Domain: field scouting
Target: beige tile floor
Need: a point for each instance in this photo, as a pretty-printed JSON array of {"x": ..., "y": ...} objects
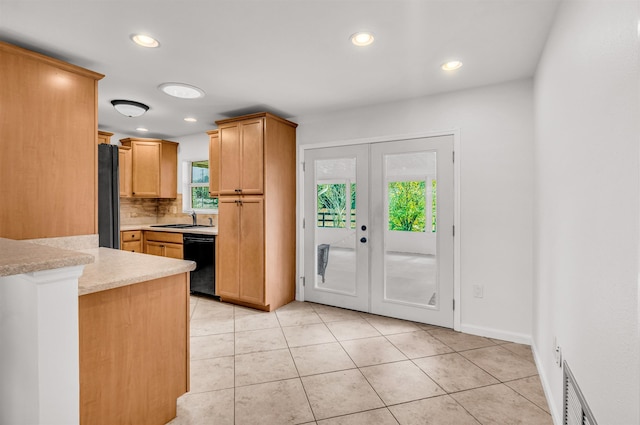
[{"x": 313, "y": 364}]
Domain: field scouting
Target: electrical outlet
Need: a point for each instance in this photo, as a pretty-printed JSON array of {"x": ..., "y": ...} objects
[
  {"x": 557, "y": 352},
  {"x": 478, "y": 291}
]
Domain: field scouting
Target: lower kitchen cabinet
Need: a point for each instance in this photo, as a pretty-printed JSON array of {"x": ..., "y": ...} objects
[
  {"x": 164, "y": 244},
  {"x": 134, "y": 352},
  {"x": 241, "y": 268},
  {"x": 131, "y": 240}
]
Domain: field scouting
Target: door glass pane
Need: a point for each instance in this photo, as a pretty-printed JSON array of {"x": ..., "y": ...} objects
[
  {"x": 410, "y": 257},
  {"x": 335, "y": 225}
]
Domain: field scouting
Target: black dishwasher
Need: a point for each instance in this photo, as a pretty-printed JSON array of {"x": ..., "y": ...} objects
[{"x": 201, "y": 249}]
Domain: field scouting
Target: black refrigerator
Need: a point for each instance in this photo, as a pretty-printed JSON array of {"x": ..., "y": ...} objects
[{"x": 108, "y": 196}]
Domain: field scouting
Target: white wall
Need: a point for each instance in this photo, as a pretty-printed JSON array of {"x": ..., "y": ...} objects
[
  {"x": 192, "y": 148},
  {"x": 587, "y": 190},
  {"x": 496, "y": 137}
]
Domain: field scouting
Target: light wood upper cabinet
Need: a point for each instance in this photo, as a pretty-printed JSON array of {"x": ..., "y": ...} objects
[
  {"x": 145, "y": 169},
  {"x": 242, "y": 157},
  {"x": 104, "y": 137},
  {"x": 154, "y": 167},
  {"x": 229, "y": 159},
  {"x": 214, "y": 163},
  {"x": 256, "y": 165},
  {"x": 48, "y": 156},
  {"x": 124, "y": 168}
]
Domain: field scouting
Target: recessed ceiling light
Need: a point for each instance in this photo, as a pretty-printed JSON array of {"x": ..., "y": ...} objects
[
  {"x": 142, "y": 129},
  {"x": 183, "y": 91},
  {"x": 451, "y": 65},
  {"x": 190, "y": 119},
  {"x": 362, "y": 39},
  {"x": 144, "y": 40}
]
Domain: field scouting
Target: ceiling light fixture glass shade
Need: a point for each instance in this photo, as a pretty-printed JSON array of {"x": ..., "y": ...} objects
[
  {"x": 181, "y": 90},
  {"x": 144, "y": 40},
  {"x": 129, "y": 108},
  {"x": 451, "y": 65},
  {"x": 142, "y": 129},
  {"x": 190, "y": 119},
  {"x": 362, "y": 39}
]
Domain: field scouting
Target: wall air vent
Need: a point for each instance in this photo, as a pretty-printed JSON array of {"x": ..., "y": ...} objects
[{"x": 576, "y": 411}]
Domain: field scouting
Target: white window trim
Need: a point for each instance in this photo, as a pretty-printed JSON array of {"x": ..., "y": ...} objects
[{"x": 186, "y": 189}]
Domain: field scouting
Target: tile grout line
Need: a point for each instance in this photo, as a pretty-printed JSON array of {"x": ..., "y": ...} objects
[
  {"x": 359, "y": 368},
  {"x": 306, "y": 395}
]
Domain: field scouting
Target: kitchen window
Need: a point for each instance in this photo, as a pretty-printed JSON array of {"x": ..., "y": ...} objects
[{"x": 195, "y": 188}]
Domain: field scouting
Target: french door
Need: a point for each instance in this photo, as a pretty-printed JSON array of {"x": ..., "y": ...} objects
[
  {"x": 379, "y": 228},
  {"x": 336, "y": 205}
]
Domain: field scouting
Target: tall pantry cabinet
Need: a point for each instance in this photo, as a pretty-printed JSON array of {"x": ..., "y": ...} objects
[
  {"x": 48, "y": 146},
  {"x": 255, "y": 157}
]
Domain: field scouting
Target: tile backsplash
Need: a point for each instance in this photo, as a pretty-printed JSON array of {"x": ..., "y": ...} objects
[{"x": 151, "y": 210}]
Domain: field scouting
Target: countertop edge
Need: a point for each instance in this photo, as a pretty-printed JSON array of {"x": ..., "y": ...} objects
[
  {"x": 22, "y": 257},
  {"x": 114, "y": 268},
  {"x": 197, "y": 230}
]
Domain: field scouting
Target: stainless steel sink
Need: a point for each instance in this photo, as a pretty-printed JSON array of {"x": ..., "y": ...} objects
[{"x": 180, "y": 226}]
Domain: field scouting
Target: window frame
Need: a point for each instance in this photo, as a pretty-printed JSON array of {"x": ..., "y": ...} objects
[{"x": 187, "y": 185}]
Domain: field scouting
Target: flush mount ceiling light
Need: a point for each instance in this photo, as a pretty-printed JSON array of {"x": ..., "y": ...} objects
[
  {"x": 190, "y": 119},
  {"x": 142, "y": 129},
  {"x": 144, "y": 40},
  {"x": 451, "y": 65},
  {"x": 129, "y": 107},
  {"x": 362, "y": 39},
  {"x": 183, "y": 91}
]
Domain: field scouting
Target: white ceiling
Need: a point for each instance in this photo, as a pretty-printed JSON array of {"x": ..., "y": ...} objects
[{"x": 290, "y": 57}]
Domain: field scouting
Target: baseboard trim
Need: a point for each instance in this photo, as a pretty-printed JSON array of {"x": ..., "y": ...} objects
[
  {"x": 556, "y": 416},
  {"x": 520, "y": 338}
]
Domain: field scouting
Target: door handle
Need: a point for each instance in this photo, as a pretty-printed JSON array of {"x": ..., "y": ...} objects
[{"x": 363, "y": 240}]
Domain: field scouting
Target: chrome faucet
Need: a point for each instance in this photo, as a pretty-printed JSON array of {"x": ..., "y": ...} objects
[{"x": 194, "y": 217}]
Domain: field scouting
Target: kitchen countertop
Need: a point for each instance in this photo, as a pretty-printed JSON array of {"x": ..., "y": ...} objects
[
  {"x": 104, "y": 269},
  {"x": 114, "y": 268},
  {"x": 195, "y": 230},
  {"x": 19, "y": 257}
]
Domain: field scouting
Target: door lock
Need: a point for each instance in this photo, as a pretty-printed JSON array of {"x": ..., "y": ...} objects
[
  {"x": 363, "y": 227},
  {"x": 363, "y": 240}
]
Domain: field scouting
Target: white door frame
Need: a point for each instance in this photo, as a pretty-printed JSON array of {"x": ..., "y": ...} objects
[{"x": 391, "y": 138}]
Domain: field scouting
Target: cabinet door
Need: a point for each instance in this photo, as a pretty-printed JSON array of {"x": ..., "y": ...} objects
[
  {"x": 252, "y": 167},
  {"x": 131, "y": 246},
  {"x": 173, "y": 250},
  {"x": 214, "y": 163},
  {"x": 227, "y": 279},
  {"x": 154, "y": 248},
  {"x": 145, "y": 174},
  {"x": 168, "y": 170},
  {"x": 229, "y": 139},
  {"x": 252, "y": 250},
  {"x": 124, "y": 169}
]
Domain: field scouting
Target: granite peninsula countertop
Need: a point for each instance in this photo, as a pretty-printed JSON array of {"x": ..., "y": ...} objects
[
  {"x": 114, "y": 268},
  {"x": 19, "y": 257},
  {"x": 196, "y": 230},
  {"x": 104, "y": 269}
]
